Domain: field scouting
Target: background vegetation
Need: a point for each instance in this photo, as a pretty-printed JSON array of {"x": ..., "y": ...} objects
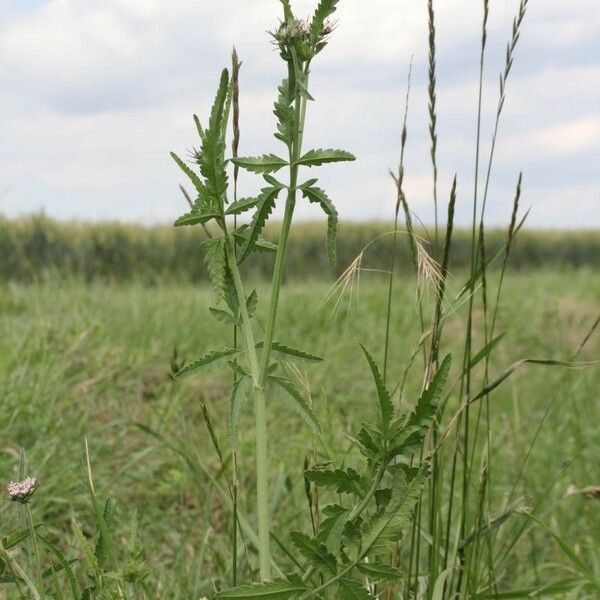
[
  {"x": 34, "y": 248},
  {"x": 94, "y": 360}
]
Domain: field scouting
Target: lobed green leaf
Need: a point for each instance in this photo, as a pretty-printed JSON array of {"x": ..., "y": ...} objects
[
  {"x": 207, "y": 360},
  {"x": 212, "y": 162},
  {"x": 293, "y": 352},
  {"x": 267, "y": 163},
  {"x": 264, "y": 208},
  {"x": 278, "y": 589},
  {"x": 318, "y": 196},
  {"x": 342, "y": 481},
  {"x": 299, "y": 402},
  {"x": 385, "y": 403},
  {"x": 240, "y": 206},
  {"x": 314, "y": 551},
  {"x": 316, "y": 158}
]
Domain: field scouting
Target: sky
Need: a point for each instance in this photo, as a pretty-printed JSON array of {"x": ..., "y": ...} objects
[{"x": 95, "y": 93}]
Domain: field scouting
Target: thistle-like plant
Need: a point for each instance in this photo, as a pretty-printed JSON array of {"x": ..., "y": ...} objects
[
  {"x": 256, "y": 371},
  {"x": 349, "y": 554}
]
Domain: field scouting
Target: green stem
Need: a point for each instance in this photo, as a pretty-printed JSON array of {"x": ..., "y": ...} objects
[
  {"x": 262, "y": 464},
  {"x": 294, "y": 154},
  {"x": 260, "y": 411},
  {"x": 34, "y": 546}
]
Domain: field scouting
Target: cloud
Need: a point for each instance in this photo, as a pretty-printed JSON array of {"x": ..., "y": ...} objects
[{"x": 94, "y": 95}]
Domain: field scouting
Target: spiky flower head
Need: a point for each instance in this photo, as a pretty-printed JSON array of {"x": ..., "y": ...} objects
[
  {"x": 292, "y": 36},
  {"x": 21, "y": 491}
]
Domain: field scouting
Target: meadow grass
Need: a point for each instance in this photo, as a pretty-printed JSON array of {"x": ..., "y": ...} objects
[
  {"x": 94, "y": 361},
  {"x": 460, "y": 490}
]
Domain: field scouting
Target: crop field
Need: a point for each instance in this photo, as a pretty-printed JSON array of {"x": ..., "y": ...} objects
[{"x": 94, "y": 362}]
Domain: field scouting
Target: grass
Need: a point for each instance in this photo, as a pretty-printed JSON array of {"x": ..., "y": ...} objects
[{"x": 94, "y": 360}]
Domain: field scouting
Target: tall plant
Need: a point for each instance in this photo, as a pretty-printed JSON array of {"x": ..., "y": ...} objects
[{"x": 254, "y": 363}]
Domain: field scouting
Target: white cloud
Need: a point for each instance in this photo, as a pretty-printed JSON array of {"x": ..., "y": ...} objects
[{"x": 94, "y": 95}]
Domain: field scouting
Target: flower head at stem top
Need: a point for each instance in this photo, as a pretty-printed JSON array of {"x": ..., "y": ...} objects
[
  {"x": 297, "y": 35},
  {"x": 22, "y": 491}
]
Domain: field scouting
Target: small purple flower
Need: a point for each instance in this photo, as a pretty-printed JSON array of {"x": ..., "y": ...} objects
[{"x": 21, "y": 491}]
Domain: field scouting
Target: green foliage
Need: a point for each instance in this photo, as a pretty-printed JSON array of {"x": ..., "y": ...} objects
[
  {"x": 267, "y": 163},
  {"x": 278, "y": 589},
  {"x": 208, "y": 360},
  {"x": 293, "y": 353},
  {"x": 299, "y": 403},
  {"x": 211, "y": 159},
  {"x": 316, "y": 158},
  {"x": 37, "y": 249},
  {"x": 385, "y": 403},
  {"x": 240, "y": 206},
  {"x": 352, "y": 540},
  {"x": 264, "y": 207},
  {"x": 284, "y": 111},
  {"x": 318, "y": 196}
]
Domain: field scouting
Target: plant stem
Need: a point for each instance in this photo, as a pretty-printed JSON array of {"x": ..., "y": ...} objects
[
  {"x": 260, "y": 410},
  {"x": 294, "y": 154},
  {"x": 262, "y": 458},
  {"x": 34, "y": 547},
  {"x": 278, "y": 275}
]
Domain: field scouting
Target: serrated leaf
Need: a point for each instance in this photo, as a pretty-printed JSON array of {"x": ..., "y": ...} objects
[
  {"x": 332, "y": 527},
  {"x": 87, "y": 550},
  {"x": 239, "y": 393},
  {"x": 16, "y": 538},
  {"x": 264, "y": 207},
  {"x": 324, "y": 10},
  {"x": 379, "y": 571},
  {"x": 318, "y": 196},
  {"x": 314, "y": 552},
  {"x": 316, "y": 158},
  {"x": 284, "y": 112},
  {"x": 428, "y": 402},
  {"x": 252, "y": 303},
  {"x": 240, "y": 206},
  {"x": 273, "y": 181},
  {"x": 196, "y": 216},
  {"x": 383, "y": 530},
  {"x": 293, "y": 352},
  {"x": 196, "y": 181},
  {"x": 262, "y": 245},
  {"x": 278, "y": 589},
  {"x": 299, "y": 402},
  {"x": 342, "y": 481},
  {"x": 267, "y": 163},
  {"x": 211, "y": 159},
  {"x": 223, "y": 316},
  {"x": 354, "y": 590},
  {"x": 216, "y": 265},
  {"x": 207, "y": 360},
  {"x": 65, "y": 564},
  {"x": 199, "y": 127},
  {"x": 385, "y": 403}
]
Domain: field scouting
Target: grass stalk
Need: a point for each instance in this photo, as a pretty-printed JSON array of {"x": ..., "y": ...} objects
[{"x": 395, "y": 237}]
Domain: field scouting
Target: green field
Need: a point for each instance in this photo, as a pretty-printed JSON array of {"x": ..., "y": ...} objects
[{"x": 94, "y": 361}]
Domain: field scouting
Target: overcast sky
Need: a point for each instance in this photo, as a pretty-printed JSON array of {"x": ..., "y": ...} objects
[{"x": 95, "y": 93}]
